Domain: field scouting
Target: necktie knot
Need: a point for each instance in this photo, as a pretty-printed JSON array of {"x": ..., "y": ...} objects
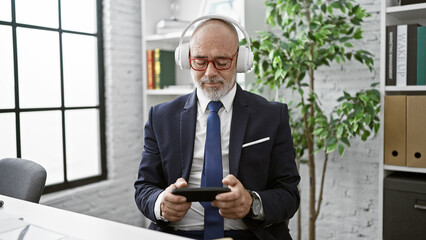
[{"x": 215, "y": 106}]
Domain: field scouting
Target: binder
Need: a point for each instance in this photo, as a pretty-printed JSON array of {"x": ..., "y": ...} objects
[
  {"x": 395, "y": 130},
  {"x": 416, "y": 131}
]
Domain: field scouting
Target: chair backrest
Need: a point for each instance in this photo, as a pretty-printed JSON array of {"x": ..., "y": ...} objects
[{"x": 22, "y": 179}]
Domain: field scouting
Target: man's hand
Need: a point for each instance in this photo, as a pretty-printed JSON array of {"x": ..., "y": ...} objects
[
  {"x": 235, "y": 204},
  {"x": 174, "y": 207}
]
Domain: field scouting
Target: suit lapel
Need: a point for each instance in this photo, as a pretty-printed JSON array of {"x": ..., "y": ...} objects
[
  {"x": 240, "y": 116},
  {"x": 187, "y": 134}
]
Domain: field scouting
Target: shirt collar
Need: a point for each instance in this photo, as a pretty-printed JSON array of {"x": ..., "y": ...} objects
[{"x": 226, "y": 100}]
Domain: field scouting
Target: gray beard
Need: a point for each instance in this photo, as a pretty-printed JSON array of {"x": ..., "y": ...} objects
[{"x": 215, "y": 94}]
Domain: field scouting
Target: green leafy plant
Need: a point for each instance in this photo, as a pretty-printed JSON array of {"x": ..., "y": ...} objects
[{"x": 311, "y": 34}]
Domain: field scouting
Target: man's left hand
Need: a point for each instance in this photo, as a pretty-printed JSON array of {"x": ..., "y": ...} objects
[{"x": 235, "y": 204}]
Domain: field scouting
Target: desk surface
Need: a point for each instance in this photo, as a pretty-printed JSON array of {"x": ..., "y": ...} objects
[{"x": 77, "y": 225}]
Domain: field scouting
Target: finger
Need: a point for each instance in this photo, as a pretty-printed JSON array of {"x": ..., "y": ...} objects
[
  {"x": 169, "y": 189},
  {"x": 224, "y": 204},
  {"x": 233, "y": 213},
  {"x": 174, "y": 212},
  {"x": 173, "y": 216},
  {"x": 229, "y": 196},
  {"x": 228, "y": 212},
  {"x": 169, "y": 196},
  {"x": 230, "y": 180},
  {"x": 174, "y": 199},
  {"x": 237, "y": 191},
  {"x": 178, "y": 208},
  {"x": 181, "y": 183},
  {"x": 230, "y": 215}
]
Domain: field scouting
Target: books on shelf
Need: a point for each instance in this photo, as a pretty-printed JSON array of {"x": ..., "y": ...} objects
[
  {"x": 405, "y": 51},
  {"x": 150, "y": 69},
  {"x": 390, "y": 55},
  {"x": 160, "y": 68}
]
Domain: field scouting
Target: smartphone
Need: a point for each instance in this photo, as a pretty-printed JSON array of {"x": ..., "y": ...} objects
[{"x": 206, "y": 194}]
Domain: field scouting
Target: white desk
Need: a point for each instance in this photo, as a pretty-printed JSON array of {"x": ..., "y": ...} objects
[{"x": 77, "y": 225}]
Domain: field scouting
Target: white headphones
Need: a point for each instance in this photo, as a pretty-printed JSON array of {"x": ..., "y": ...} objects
[{"x": 245, "y": 55}]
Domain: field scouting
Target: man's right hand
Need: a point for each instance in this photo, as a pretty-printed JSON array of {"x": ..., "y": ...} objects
[{"x": 174, "y": 207}]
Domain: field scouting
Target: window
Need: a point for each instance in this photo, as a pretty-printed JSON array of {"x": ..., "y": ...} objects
[{"x": 51, "y": 88}]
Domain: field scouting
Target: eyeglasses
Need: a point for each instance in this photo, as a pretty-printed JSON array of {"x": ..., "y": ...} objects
[{"x": 220, "y": 63}]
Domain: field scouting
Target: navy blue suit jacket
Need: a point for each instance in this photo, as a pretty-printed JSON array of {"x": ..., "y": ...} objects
[{"x": 268, "y": 168}]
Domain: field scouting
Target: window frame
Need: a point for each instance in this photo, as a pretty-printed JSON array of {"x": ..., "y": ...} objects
[{"x": 101, "y": 94}]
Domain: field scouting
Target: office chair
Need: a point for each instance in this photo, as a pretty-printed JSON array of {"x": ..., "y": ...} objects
[{"x": 22, "y": 179}]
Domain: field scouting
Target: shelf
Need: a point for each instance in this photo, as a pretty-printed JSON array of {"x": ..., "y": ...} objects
[
  {"x": 404, "y": 169},
  {"x": 171, "y": 91},
  {"x": 405, "y": 88},
  {"x": 411, "y": 11},
  {"x": 391, "y": 15},
  {"x": 174, "y": 36}
]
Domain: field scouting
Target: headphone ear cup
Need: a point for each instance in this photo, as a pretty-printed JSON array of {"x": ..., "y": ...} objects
[
  {"x": 182, "y": 56},
  {"x": 245, "y": 59}
]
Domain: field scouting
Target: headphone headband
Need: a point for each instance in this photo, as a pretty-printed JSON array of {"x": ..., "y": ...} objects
[{"x": 215, "y": 16}]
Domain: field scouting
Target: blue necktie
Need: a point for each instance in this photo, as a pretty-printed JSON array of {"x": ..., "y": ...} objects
[{"x": 212, "y": 172}]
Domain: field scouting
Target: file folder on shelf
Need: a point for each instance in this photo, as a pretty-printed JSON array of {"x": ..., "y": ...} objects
[
  {"x": 416, "y": 131},
  {"x": 395, "y": 130}
]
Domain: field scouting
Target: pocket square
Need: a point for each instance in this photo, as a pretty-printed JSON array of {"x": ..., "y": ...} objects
[{"x": 256, "y": 142}]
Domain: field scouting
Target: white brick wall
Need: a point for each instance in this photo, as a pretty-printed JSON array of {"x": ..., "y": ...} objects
[{"x": 350, "y": 204}]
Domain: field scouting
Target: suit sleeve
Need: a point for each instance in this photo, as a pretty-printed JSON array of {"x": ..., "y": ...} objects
[
  {"x": 281, "y": 198},
  {"x": 151, "y": 181}
]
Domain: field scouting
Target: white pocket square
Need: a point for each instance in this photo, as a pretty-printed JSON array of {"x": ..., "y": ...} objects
[{"x": 256, "y": 142}]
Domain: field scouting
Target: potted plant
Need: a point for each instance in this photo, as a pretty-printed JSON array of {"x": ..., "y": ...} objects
[{"x": 312, "y": 34}]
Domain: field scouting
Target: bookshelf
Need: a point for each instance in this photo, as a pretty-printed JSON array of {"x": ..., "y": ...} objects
[
  {"x": 393, "y": 14},
  {"x": 153, "y": 11}
]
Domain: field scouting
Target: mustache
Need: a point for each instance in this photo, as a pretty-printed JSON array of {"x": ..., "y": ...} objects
[{"x": 211, "y": 80}]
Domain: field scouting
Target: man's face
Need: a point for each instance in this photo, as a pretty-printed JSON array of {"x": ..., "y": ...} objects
[{"x": 213, "y": 41}]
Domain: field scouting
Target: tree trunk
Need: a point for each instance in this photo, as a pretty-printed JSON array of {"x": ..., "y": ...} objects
[
  {"x": 312, "y": 198},
  {"x": 299, "y": 225},
  {"x": 299, "y": 212},
  {"x": 312, "y": 218},
  {"x": 309, "y": 129}
]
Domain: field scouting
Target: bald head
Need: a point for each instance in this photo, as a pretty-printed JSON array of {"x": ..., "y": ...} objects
[{"x": 214, "y": 31}]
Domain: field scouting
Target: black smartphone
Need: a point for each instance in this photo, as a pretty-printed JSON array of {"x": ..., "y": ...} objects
[{"x": 206, "y": 194}]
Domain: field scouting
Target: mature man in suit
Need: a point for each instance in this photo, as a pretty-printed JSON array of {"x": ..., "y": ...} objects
[{"x": 258, "y": 157}]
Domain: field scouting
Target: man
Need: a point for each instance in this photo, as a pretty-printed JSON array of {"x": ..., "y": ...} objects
[{"x": 256, "y": 150}]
